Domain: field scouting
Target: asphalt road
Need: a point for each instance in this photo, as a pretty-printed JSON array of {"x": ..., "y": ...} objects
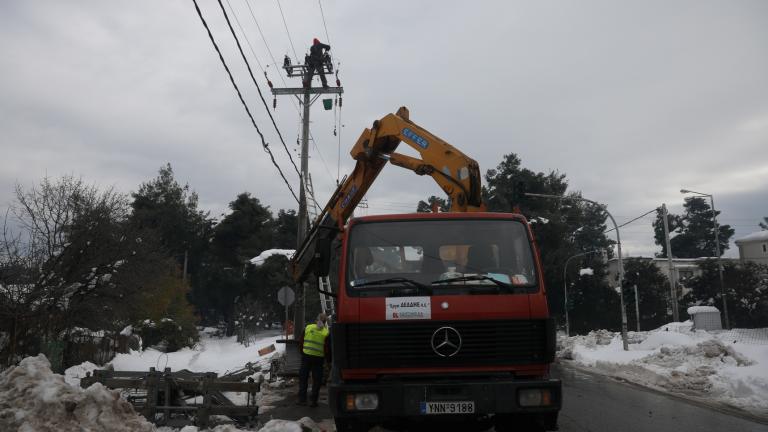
[{"x": 591, "y": 403}]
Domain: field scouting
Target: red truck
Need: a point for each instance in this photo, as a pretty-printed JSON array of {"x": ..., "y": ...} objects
[{"x": 438, "y": 316}]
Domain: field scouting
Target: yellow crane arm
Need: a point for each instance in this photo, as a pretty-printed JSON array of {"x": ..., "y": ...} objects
[{"x": 456, "y": 173}]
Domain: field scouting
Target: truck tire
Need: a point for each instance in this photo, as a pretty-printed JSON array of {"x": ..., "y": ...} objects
[{"x": 350, "y": 425}]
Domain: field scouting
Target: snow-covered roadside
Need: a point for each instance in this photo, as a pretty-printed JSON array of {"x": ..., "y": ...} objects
[
  {"x": 720, "y": 367},
  {"x": 211, "y": 354},
  {"x": 33, "y": 398}
]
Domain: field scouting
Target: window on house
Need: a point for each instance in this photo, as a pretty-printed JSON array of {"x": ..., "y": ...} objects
[{"x": 765, "y": 248}]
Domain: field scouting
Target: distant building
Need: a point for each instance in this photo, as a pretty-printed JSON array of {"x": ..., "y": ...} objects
[
  {"x": 683, "y": 268},
  {"x": 754, "y": 247}
]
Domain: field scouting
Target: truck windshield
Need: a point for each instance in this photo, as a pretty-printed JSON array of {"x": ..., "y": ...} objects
[{"x": 444, "y": 256}]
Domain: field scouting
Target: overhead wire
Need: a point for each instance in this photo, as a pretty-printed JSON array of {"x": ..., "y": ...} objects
[
  {"x": 245, "y": 35},
  {"x": 274, "y": 62},
  {"x": 322, "y": 14},
  {"x": 242, "y": 100},
  {"x": 286, "y": 30},
  {"x": 250, "y": 72},
  {"x": 630, "y": 221}
]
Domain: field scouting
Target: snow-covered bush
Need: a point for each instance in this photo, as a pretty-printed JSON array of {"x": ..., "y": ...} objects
[{"x": 165, "y": 335}]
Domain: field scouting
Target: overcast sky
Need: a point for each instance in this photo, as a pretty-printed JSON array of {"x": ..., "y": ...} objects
[{"x": 632, "y": 101}]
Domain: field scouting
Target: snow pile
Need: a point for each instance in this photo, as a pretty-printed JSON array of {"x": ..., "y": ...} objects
[
  {"x": 709, "y": 365},
  {"x": 33, "y": 398},
  {"x": 305, "y": 424},
  {"x": 701, "y": 309},
  {"x": 211, "y": 354},
  {"x": 259, "y": 260},
  {"x": 74, "y": 374}
]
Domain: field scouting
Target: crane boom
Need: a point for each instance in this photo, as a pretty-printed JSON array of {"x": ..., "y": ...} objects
[{"x": 456, "y": 173}]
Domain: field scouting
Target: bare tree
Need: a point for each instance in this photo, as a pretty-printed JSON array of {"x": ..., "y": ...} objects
[{"x": 73, "y": 261}]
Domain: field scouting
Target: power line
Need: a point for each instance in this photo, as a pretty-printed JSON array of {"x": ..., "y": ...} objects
[
  {"x": 629, "y": 222},
  {"x": 286, "y": 31},
  {"x": 274, "y": 62},
  {"x": 245, "y": 35},
  {"x": 327, "y": 38},
  {"x": 240, "y": 95},
  {"x": 250, "y": 72}
]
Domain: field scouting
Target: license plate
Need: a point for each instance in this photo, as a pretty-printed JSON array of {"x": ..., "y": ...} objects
[{"x": 453, "y": 407}]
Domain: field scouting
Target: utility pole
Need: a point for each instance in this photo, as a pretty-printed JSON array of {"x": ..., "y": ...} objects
[
  {"x": 306, "y": 96},
  {"x": 672, "y": 287}
]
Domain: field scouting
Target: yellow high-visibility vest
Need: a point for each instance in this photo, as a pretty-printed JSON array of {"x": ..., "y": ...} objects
[{"x": 314, "y": 340}]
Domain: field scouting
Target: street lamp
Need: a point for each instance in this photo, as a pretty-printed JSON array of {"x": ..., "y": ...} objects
[
  {"x": 621, "y": 264},
  {"x": 565, "y": 290},
  {"x": 717, "y": 251}
]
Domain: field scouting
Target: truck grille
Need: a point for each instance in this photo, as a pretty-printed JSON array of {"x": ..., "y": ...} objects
[{"x": 483, "y": 343}]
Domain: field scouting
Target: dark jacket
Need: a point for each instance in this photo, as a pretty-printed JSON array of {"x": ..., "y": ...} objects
[{"x": 316, "y": 52}]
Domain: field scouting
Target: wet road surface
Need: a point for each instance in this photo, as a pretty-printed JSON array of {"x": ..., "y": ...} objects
[{"x": 591, "y": 403}]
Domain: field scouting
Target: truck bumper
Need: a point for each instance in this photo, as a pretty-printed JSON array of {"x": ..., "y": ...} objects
[{"x": 402, "y": 399}]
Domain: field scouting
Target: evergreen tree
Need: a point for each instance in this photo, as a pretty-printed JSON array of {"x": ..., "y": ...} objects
[
  {"x": 244, "y": 233},
  {"x": 285, "y": 228},
  {"x": 166, "y": 207},
  {"x": 764, "y": 223},
  {"x": 593, "y": 303},
  {"x": 426, "y": 206},
  {"x": 746, "y": 285},
  {"x": 695, "y": 231},
  {"x": 652, "y": 289},
  {"x": 562, "y": 228}
]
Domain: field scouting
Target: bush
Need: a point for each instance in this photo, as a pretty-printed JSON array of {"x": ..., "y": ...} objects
[{"x": 165, "y": 335}]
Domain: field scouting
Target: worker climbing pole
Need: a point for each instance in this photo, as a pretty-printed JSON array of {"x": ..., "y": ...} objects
[{"x": 306, "y": 95}]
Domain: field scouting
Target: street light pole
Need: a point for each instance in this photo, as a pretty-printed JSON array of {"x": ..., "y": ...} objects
[
  {"x": 565, "y": 291},
  {"x": 717, "y": 251},
  {"x": 618, "y": 246}
]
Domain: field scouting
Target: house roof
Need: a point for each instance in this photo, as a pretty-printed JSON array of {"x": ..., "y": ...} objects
[{"x": 757, "y": 236}]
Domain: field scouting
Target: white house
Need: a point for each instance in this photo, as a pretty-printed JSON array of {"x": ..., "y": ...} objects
[
  {"x": 683, "y": 268},
  {"x": 754, "y": 247}
]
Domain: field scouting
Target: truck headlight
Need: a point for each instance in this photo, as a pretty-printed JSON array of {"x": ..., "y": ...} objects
[
  {"x": 362, "y": 401},
  {"x": 534, "y": 397}
]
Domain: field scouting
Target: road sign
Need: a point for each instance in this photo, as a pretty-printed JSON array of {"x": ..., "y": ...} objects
[{"x": 286, "y": 296}]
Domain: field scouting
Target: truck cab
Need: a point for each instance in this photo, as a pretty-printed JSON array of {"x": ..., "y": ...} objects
[{"x": 441, "y": 316}]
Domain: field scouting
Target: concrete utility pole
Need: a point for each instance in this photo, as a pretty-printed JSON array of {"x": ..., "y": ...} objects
[
  {"x": 672, "y": 281},
  {"x": 306, "y": 96}
]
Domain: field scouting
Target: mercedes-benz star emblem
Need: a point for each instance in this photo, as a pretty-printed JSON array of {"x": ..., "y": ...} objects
[{"x": 446, "y": 341}]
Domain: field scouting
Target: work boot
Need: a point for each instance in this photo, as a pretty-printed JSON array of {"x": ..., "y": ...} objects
[
  {"x": 313, "y": 404},
  {"x": 301, "y": 402}
]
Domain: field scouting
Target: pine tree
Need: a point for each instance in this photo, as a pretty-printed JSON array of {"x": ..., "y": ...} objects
[
  {"x": 764, "y": 223},
  {"x": 562, "y": 228},
  {"x": 426, "y": 206},
  {"x": 692, "y": 235}
]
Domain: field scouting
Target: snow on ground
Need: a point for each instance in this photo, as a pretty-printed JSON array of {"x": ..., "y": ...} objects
[
  {"x": 259, "y": 260},
  {"x": 728, "y": 367},
  {"x": 74, "y": 374},
  {"x": 211, "y": 354},
  {"x": 33, "y": 398}
]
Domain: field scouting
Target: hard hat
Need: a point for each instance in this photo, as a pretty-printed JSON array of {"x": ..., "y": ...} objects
[{"x": 315, "y": 41}]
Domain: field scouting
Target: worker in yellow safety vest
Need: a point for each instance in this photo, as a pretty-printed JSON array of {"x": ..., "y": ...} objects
[{"x": 313, "y": 347}]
